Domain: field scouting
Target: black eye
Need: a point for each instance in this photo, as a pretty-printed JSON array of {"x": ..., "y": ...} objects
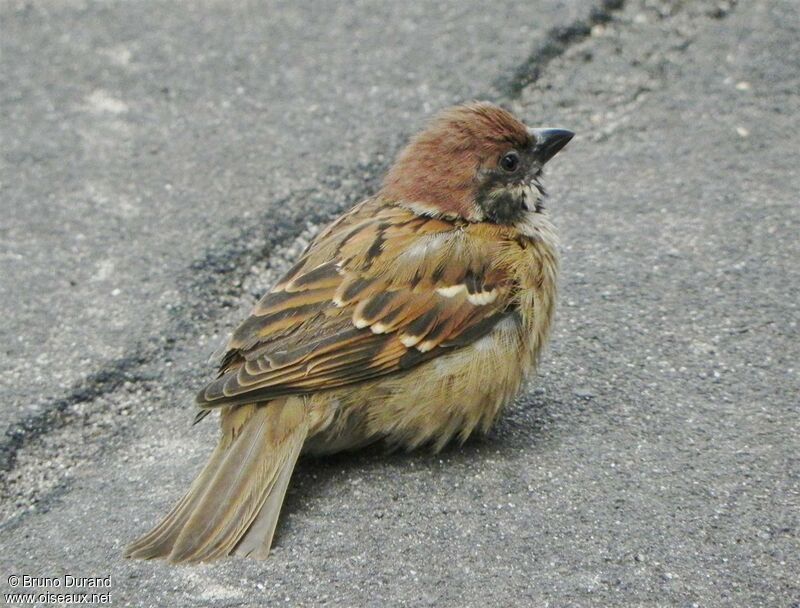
[{"x": 509, "y": 162}]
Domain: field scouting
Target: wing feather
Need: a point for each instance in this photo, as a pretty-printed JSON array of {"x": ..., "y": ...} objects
[{"x": 379, "y": 292}]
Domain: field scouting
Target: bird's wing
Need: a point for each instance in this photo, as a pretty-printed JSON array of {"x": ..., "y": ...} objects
[{"x": 380, "y": 291}]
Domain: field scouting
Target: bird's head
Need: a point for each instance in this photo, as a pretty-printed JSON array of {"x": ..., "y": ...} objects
[{"x": 475, "y": 162}]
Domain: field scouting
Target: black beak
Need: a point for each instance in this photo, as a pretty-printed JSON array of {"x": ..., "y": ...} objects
[{"x": 548, "y": 142}]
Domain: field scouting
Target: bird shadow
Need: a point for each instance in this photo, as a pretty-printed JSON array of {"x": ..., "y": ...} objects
[{"x": 527, "y": 423}]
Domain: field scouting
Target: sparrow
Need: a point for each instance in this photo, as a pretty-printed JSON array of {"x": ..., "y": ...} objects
[{"x": 412, "y": 319}]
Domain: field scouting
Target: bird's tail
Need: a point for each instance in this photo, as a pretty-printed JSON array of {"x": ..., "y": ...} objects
[{"x": 233, "y": 505}]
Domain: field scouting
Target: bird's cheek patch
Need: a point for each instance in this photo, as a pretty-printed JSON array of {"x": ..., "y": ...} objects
[{"x": 505, "y": 205}]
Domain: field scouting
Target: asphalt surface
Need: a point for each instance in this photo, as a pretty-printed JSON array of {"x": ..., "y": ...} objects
[{"x": 162, "y": 164}]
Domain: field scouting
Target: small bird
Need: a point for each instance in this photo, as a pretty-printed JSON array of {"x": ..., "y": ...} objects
[{"x": 412, "y": 319}]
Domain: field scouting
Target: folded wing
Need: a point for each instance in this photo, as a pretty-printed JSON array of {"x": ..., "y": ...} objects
[{"x": 377, "y": 293}]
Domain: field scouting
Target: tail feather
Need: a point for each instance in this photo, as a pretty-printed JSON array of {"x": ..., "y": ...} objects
[
  {"x": 258, "y": 539},
  {"x": 236, "y": 500}
]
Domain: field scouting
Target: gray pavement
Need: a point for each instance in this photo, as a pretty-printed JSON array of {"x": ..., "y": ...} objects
[{"x": 161, "y": 165}]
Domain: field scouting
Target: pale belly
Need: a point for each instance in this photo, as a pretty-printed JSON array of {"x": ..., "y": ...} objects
[{"x": 448, "y": 397}]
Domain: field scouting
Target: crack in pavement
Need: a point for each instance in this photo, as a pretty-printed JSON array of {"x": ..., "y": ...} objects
[
  {"x": 554, "y": 44},
  {"x": 56, "y": 413}
]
